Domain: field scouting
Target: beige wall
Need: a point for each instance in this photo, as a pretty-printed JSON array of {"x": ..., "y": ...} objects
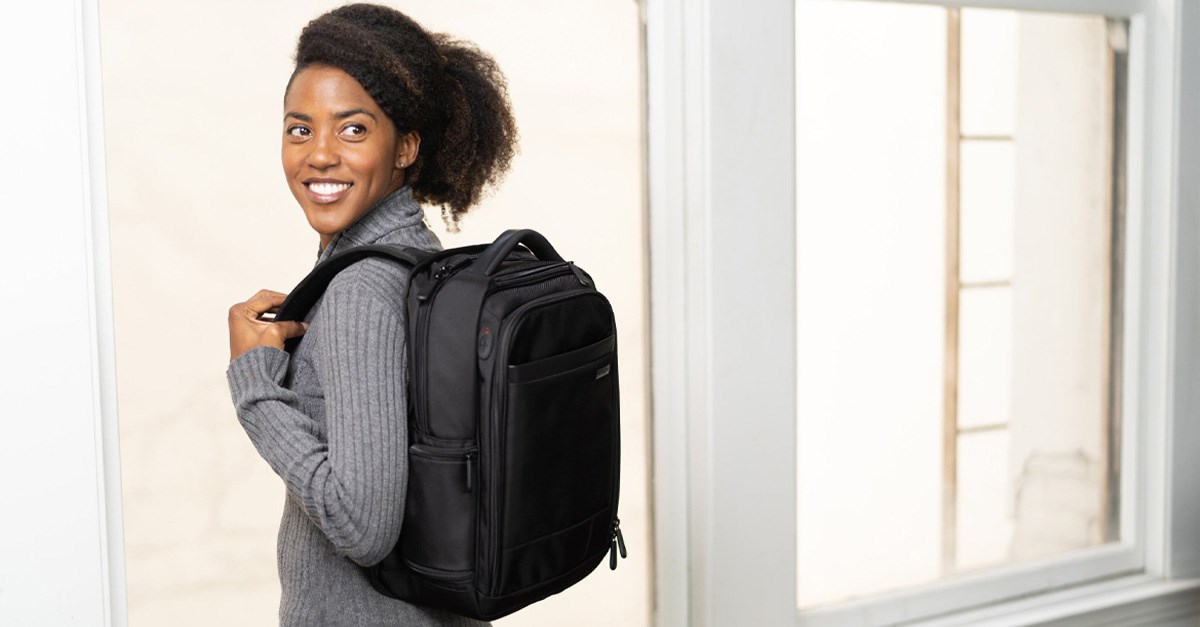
[{"x": 201, "y": 218}]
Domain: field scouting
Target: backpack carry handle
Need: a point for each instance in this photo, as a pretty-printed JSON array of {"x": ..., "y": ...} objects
[{"x": 495, "y": 254}]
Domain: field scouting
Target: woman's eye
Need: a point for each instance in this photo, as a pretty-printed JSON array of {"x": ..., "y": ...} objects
[
  {"x": 298, "y": 131},
  {"x": 354, "y": 130}
]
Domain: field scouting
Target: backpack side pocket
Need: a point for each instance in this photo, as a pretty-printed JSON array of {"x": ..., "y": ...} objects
[{"x": 438, "y": 536}]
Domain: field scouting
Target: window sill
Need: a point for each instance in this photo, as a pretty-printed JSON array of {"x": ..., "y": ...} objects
[{"x": 1124, "y": 602}]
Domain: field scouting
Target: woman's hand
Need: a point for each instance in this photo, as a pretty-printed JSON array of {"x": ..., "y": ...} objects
[{"x": 248, "y": 329}]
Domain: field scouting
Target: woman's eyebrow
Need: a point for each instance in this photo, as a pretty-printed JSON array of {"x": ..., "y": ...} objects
[{"x": 341, "y": 115}]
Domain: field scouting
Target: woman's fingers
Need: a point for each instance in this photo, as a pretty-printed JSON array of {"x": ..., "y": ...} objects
[
  {"x": 248, "y": 328},
  {"x": 288, "y": 329},
  {"x": 265, "y": 301},
  {"x": 269, "y": 294}
]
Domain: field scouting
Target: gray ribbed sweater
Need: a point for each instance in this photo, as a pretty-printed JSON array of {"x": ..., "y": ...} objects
[{"x": 330, "y": 420}]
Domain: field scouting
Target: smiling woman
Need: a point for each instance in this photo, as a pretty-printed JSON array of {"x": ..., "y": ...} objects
[
  {"x": 328, "y": 416},
  {"x": 341, "y": 153}
]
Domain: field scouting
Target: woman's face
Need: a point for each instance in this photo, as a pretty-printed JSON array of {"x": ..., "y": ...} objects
[{"x": 341, "y": 153}]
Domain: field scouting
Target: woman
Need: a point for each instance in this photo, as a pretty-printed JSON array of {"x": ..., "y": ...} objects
[{"x": 379, "y": 116}]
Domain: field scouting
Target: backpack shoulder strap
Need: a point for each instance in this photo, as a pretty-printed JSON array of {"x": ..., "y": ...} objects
[{"x": 309, "y": 290}]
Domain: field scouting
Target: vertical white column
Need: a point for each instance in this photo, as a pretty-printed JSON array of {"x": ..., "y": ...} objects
[
  {"x": 722, "y": 220},
  {"x": 60, "y": 534},
  {"x": 668, "y": 264},
  {"x": 750, "y": 206}
]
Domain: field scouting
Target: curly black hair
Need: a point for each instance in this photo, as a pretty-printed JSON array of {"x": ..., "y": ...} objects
[{"x": 447, "y": 90}]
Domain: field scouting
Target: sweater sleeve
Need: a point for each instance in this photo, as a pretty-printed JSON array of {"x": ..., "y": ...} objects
[{"x": 351, "y": 476}]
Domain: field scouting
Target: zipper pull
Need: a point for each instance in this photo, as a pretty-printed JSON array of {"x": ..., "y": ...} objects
[
  {"x": 440, "y": 275},
  {"x": 617, "y": 544},
  {"x": 450, "y": 268},
  {"x": 471, "y": 455},
  {"x": 579, "y": 275}
]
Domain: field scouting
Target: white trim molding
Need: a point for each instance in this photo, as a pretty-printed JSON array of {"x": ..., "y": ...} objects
[
  {"x": 1124, "y": 602},
  {"x": 1182, "y": 558},
  {"x": 108, "y": 441},
  {"x": 62, "y": 536}
]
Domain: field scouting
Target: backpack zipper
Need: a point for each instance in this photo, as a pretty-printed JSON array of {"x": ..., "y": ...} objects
[
  {"x": 472, "y": 455},
  {"x": 422, "y": 393},
  {"x": 616, "y": 480},
  {"x": 444, "y": 272},
  {"x": 616, "y": 544},
  {"x": 528, "y": 276}
]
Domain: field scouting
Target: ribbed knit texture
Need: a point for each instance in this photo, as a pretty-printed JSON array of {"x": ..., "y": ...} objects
[{"x": 330, "y": 420}]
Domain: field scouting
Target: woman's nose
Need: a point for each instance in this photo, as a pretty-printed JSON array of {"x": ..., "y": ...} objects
[{"x": 324, "y": 152}]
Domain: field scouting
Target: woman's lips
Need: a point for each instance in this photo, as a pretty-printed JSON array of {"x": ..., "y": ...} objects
[{"x": 324, "y": 192}]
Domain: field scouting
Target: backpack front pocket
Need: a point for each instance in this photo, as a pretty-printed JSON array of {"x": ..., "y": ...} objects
[
  {"x": 560, "y": 415},
  {"x": 438, "y": 536}
]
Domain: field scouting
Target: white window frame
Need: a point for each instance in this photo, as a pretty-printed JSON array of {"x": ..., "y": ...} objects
[{"x": 722, "y": 192}]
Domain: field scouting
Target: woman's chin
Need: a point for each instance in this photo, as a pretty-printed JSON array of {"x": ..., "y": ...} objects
[{"x": 325, "y": 228}]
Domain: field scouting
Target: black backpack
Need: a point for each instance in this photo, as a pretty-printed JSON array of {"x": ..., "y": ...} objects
[{"x": 513, "y": 423}]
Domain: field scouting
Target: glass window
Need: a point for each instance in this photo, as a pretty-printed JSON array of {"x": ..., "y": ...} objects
[{"x": 959, "y": 222}]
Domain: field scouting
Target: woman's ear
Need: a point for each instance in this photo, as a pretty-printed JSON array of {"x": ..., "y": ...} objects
[{"x": 407, "y": 148}]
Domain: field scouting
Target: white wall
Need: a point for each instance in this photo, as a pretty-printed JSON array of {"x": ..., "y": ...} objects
[
  {"x": 201, "y": 218},
  {"x": 1061, "y": 277}
]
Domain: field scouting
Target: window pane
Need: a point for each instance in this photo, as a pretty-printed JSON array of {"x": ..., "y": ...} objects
[
  {"x": 986, "y": 186},
  {"x": 954, "y": 290},
  {"x": 870, "y": 334},
  {"x": 989, "y": 58},
  {"x": 985, "y": 522},
  {"x": 985, "y": 357}
]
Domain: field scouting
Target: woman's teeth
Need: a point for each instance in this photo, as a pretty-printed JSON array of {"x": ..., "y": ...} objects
[{"x": 328, "y": 189}]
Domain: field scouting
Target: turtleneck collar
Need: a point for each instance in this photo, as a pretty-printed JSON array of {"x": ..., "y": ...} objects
[{"x": 396, "y": 211}]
